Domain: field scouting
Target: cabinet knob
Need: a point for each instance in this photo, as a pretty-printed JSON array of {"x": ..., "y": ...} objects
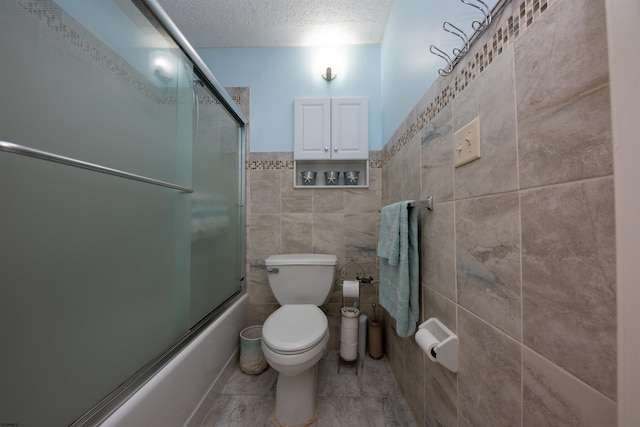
[
  {"x": 326, "y": 148},
  {"x": 335, "y": 149}
]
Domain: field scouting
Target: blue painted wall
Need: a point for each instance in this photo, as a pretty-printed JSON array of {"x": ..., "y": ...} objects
[
  {"x": 393, "y": 75},
  {"x": 408, "y": 68},
  {"x": 278, "y": 75}
]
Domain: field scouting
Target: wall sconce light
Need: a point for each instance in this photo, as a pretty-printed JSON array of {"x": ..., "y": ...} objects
[
  {"x": 328, "y": 76},
  {"x": 163, "y": 65}
]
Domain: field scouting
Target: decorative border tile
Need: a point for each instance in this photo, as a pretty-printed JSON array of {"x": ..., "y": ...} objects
[
  {"x": 269, "y": 164},
  {"x": 56, "y": 19},
  {"x": 288, "y": 164},
  {"x": 523, "y": 17}
]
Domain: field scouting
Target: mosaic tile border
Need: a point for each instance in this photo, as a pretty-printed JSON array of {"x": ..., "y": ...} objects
[
  {"x": 521, "y": 19},
  {"x": 288, "y": 164},
  {"x": 56, "y": 19},
  {"x": 269, "y": 164}
]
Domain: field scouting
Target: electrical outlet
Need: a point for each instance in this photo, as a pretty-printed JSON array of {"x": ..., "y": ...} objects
[{"x": 467, "y": 143}]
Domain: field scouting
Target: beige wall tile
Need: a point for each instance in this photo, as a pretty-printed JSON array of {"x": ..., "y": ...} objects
[
  {"x": 297, "y": 233},
  {"x": 489, "y": 374},
  {"x": 441, "y": 395},
  {"x": 414, "y": 378},
  {"x": 566, "y": 141},
  {"x": 437, "y": 158},
  {"x": 411, "y": 188},
  {"x": 294, "y": 200},
  {"x": 264, "y": 191},
  {"x": 563, "y": 104},
  {"x": 568, "y": 277},
  {"x": 496, "y": 171},
  {"x": 438, "y": 259},
  {"x": 435, "y": 305},
  {"x": 328, "y": 200},
  {"x": 360, "y": 238},
  {"x": 264, "y": 235},
  {"x": 488, "y": 259},
  {"x": 552, "y": 397},
  {"x": 329, "y": 234}
]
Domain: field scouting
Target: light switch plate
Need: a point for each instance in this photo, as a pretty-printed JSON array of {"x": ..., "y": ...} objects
[{"x": 467, "y": 143}]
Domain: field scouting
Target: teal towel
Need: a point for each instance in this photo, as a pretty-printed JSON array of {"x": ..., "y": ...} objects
[
  {"x": 389, "y": 236},
  {"x": 399, "y": 275}
]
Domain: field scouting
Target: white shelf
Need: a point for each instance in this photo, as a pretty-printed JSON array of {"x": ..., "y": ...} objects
[{"x": 321, "y": 166}]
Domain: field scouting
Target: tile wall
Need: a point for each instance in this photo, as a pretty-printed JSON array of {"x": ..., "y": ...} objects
[
  {"x": 518, "y": 256},
  {"x": 284, "y": 219}
]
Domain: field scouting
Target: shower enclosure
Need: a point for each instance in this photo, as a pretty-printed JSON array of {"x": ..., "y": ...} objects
[{"x": 121, "y": 201}]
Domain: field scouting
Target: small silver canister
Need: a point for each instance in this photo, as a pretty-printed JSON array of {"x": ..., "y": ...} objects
[
  {"x": 351, "y": 177},
  {"x": 331, "y": 177},
  {"x": 308, "y": 177}
]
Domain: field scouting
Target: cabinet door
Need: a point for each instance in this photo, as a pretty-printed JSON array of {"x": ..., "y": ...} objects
[
  {"x": 349, "y": 128},
  {"x": 312, "y": 128}
]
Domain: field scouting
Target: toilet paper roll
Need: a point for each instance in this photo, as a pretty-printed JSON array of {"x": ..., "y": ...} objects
[
  {"x": 348, "y": 352},
  {"x": 427, "y": 342},
  {"x": 350, "y": 289},
  {"x": 349, "y": 336}
]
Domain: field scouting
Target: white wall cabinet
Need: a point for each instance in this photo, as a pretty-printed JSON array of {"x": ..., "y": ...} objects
[
  {"x": 331, "y": 128},
  {"x": 331, "y": 134}
]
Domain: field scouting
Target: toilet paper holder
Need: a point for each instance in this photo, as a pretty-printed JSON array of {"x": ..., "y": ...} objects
[{"x": 439, "y": 343}]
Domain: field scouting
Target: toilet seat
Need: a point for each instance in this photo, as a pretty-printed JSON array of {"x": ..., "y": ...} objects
[{"x": 294, "y": 328}]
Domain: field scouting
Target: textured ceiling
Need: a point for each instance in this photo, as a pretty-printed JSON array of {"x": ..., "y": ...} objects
[{"x": 273, "y": 23}]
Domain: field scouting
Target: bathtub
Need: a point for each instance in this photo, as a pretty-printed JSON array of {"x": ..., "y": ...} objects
[{"x": 181, "y": 392}]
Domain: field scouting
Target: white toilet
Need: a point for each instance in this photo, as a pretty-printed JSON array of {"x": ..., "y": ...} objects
[{"x": 295, "y": 336}]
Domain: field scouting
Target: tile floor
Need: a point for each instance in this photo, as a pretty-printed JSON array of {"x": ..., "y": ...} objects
[{"x": 371, "y": 398}]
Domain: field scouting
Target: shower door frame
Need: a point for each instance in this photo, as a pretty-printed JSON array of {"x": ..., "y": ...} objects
[{"x": 117, "y": 397}]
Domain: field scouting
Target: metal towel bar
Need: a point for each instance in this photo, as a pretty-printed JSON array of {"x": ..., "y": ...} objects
[
  {"x": 10, "y": 147},
  {"x": 426, "y": 203}
]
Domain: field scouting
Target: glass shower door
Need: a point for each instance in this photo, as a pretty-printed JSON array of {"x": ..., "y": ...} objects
[
  {"x": 215, "y": 220},
  {"x": 100, "y": 274}
]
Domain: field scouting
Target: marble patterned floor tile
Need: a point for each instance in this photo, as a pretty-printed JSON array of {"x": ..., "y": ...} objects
[
  {"x": 337, "y": 379},
  {"x": 370, "y": 397},
  {"x": 243, "y": 411},
  {"x": 377, "y": 380},
  {"x": 241, "y": 383},
  {"x": 362, "y": 411},
  {"x": 397, "y": 412}
]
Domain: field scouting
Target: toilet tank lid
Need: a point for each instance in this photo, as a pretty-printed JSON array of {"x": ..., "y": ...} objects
[{"x": 301, "y": 259}]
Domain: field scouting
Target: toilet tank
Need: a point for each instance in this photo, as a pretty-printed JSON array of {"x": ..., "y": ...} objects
[{"x": 301, "y": 278}]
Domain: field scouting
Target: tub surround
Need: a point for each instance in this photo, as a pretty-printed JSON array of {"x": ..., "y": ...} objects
[{"x": 199, "y": 372}]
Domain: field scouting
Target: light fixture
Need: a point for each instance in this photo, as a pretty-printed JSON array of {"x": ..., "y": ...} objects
[
  {"x": 328, "y": 76},
  {"x": 163, "y": 65}
]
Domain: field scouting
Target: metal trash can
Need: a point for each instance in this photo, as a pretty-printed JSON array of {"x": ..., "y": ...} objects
[{"x": 252, "y": 360}]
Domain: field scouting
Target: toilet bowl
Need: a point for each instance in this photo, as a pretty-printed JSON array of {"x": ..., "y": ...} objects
[
  {"x": 295, "y": 336},
  {"x": 294, "y": 339}
]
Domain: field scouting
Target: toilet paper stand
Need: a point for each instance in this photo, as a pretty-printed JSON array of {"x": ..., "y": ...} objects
[
  {"x": 349, "y": 331},
  {"x": 439, "y": 343}
]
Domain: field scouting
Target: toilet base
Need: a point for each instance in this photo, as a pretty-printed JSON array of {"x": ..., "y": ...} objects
[{"x": 296, "y": 399}]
